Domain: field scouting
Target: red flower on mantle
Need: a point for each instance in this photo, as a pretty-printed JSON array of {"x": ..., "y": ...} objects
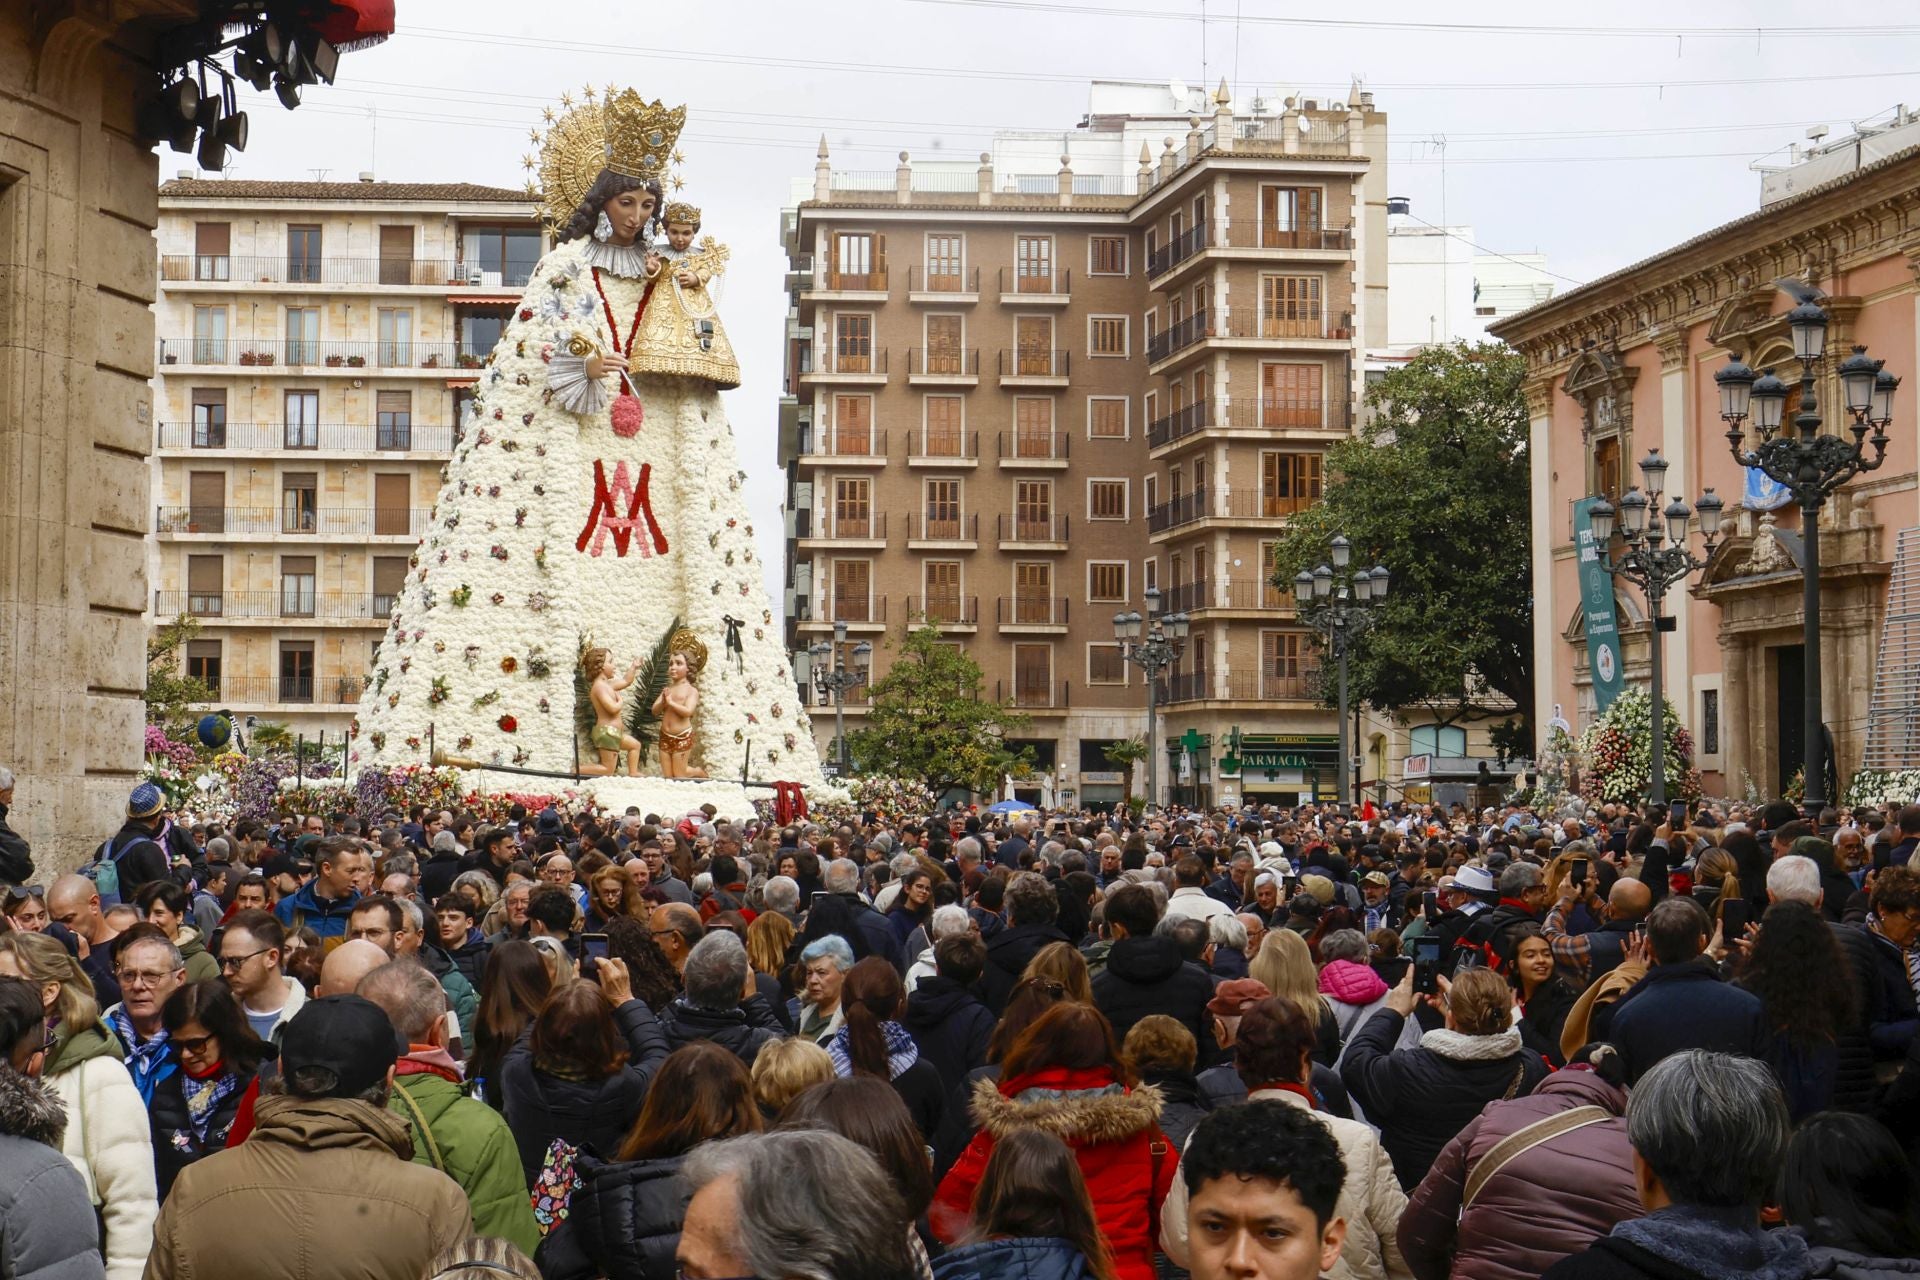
[{"x": 508, "y": 724}]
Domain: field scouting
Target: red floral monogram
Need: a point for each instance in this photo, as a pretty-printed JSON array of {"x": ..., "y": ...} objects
[{"x": 621, "y": 509}]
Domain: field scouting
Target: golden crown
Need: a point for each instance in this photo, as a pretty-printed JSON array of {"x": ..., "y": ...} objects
[
  {"x": 681, "y": 211},
  {"x": 615, "y": 129}
]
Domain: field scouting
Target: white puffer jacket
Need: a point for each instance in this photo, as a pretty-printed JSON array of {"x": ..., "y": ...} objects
[
  {"x": 1371, "y": 1201},
  {"x": 110, "y": 1141}
]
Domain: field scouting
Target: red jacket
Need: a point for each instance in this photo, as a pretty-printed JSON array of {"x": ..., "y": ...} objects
[{"x": 1126, "y": 1160}]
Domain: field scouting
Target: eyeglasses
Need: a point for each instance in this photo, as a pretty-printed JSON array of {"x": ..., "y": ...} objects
[
  {"x": 141, "y": 978},
  {"x": 234, "y": 962}
]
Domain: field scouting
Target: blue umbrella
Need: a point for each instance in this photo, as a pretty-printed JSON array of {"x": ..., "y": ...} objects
[{"x": 1012, "y": 806}]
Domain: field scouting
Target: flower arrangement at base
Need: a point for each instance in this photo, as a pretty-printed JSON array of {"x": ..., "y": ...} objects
[
  {"x": 1883, "y": 789},
  {"x": 1618, "y": 748}
]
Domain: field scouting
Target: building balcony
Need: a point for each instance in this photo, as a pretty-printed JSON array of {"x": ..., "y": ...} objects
[
  {"x": 229, "y": 524},
  {"x": 848, "y": 369},
  {"x": 1301, "y": 323},
  {"x": 943, "y": 533},
  {"x": 847, "y": 532},
  {"x": 1299, "y": 684},
  {"x": 1261, "y": 240},
  {"x": 317, "y": 357},
  {"x": 945, "y": 449},
  {"x": 239, "y": 271},
  {"x": 1032, "y": 533},
  {"x": 1177, "y": 337},
  {"x": 1251, "y": 505},
  {"x": 1034, "y": 367},
  {"x": 1240, "y": 595},
  {"x": 861, "y": 613},
  {"x": 1034, "y": 450},
  {"x": 1031, "y": 614},
  {"x": 943, "y": 366},
  {"x": 1252, "y": 417},
  {"x": 250, "y": 439},
  {"x": 942, "y": 289},
  {"x": 827, "y": 283},
  {"x": 843, "y": 446},
  {"x": 1022, "y": 288},
  {"x": 1032, "y": 696},
  {"x": 952, "y": 613},
  {"x": 327, "y": 693},
  {"x": 290, "y": 602}
]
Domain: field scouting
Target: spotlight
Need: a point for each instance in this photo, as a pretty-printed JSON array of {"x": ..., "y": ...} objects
[
  {"x": 323, "y": 58},
  {"x": 181, "y": 98},
  {"x": 255, "y": 71},
  {"x": 288, "y": 91},
  {"x": 213, "y": 152},
  {"x": 232, "y": 129}
]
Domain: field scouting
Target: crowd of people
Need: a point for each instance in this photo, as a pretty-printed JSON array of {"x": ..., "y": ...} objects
[{"x": 1265, "y": 1042}]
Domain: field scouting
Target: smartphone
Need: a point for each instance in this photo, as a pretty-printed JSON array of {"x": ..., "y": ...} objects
[
  {"x": 1578, "y": 874},
  {"x": 593, "y": 949},
  {"x": 1430, "y": 904},
  {"x": 1734, "y": 918},
  {"x": 1677, "y": 815},
  {"x": 819, "y": 896},
  {"x": 1426, "y": 964}
]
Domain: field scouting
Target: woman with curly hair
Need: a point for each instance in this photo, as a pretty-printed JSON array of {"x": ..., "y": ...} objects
[
  {"x": 654, "y": 980},
  {"x": 1805, "y": 986}
]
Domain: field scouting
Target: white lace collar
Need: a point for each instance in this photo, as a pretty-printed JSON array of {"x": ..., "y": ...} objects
[{"x": 628, "y": 260}]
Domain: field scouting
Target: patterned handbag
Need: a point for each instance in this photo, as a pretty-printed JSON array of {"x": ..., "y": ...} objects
[{"x": 553, "y": 1188}]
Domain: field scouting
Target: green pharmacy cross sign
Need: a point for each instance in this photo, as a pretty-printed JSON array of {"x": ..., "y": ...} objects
[{"x": 1309, "y": 754}]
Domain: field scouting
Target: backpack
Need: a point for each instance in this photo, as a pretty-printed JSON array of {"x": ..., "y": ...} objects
[{"x": 104, "y": 870}]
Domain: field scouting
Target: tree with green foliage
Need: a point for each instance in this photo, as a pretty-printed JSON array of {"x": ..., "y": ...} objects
[
  {"x": 929, "y": 720},
  {"x": 1435, "y": 487},
  {"x": 1124, "y": 755},
  {"x": 171, "y": 696}
]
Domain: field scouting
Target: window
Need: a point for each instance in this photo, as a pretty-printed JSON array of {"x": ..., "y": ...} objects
[
  {"x": 302, "y": 417},
  {"x": 389, "y": 579},
  {"x": 1290, "y": 217},
  {"x": 859, "y": 261},
  {"x": 463, "y": 398},
  {"x": 392, "y": 495},
  {"x": 942, "y": 509},
  {"x": 1107, "y": 335},
  {"x": 1033, "y": 592},
  {"x": 1107, "y": 581},
  {"x": 1283, "y": 664},
  {"x": 943, "y": 603},
  {"x": 944, "y": 439},
  {"x": 1149, "y": 572},
  {"x": 945, "y": 352},
  {"x": 396, "y": 255},
  {"x": 206, "y": 502},
  {"x": 1271, "y": 596},
  {"x": 1033, "y": 427},
  {"x": 1033, "y": 346},
  {"x": 393, "y": 420},
  {"x": 296, "y": 586},
  {"x": 1290, "y": 307},
  {"x": 1033, "y": 264},
  {"x": 853, "y": 425},
  {"x": 1446, "y": 741},
  {"x": 1709, "y": 722},
  {"x": 303, "y": 335},
  {"x": 1107, "y": 255},
  {"x": 296, "y": 671},
  {"x": 853, "y": 343},
  {"x": 501, "y": 255},
  {"x": 1033, "y": 675},
  {"x": 209, "y": 418},
  {"x": 1106, "y": 499},
  {"x": 852, "y": 507},
  {"x": 1105, "y": 664},
  {"x": 206, "y": 579},
  {"x": 1289, "y": 482},
  {"x": 1107, "y": 417},
  {"x": 1150, "y": 491},
  {"x": 944, "y": 263},
  {"x": 396, "y": 338},
  {"x": 1487, "y": 311},
  {"x": 203, "y": 664},
  {"x": 212, "y": 243},
  {"x": 1033, "y": 511},
  {"x": 479, "y": 333},
  {"x": 1606, "y": 469},
  {"x": 209, "y": 335},
  {"x": 299, "y": 502},
  {"x": 303, "y": 255},
  {"x": 852, "y": 580},
  {"x": 1290, "y": 395}
]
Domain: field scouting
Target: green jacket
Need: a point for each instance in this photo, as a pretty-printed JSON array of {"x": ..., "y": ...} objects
[
  {"x": 469, "y": 1142},
  {"x": 461, "y": 997},
  {"x": 201, "y": 966}
]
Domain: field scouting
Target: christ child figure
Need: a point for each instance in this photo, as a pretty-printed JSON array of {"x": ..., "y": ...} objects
[
  {"x": 677, "y": 703},
  {"x": 609, "y": 738}
]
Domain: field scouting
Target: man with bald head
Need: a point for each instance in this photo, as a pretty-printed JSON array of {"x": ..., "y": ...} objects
[
  {"x": 346, "y": 964},
  {"x": 1590, "y": 956},
  {"x": 74, "y": 902},
  {"x": 676, "y": 929}
]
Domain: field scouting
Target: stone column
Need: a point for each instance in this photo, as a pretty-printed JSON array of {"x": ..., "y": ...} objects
[
  {"x": 1675, "y": 445},
  {"x": 1549, "y": 650}
]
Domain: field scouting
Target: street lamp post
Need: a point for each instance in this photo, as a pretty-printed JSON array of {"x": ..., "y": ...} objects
[
  {"x": 1656, "y": 567},
  {"x": 832, "y": 678},
  {"x": 1339, "y": 602},
  {"x": 1811, "y": 467},
  {"x": 1153, "y": 644}
]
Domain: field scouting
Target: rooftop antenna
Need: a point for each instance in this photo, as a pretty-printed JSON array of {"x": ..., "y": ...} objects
[{"x": 319, "y": 175}]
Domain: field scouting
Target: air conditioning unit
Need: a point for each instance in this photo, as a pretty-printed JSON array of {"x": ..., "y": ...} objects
[
  {"x": 476, "y": 278},
  {"x": 491, "y": 279}
]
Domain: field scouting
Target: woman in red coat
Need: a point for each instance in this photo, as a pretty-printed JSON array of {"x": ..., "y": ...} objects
[{"x": 1065, "y": 1076}]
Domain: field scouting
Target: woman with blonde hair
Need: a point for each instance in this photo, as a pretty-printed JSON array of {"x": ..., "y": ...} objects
[
  {"x": 1061, "y": 962},
  {"x": 768, "y": 938},
  {"x": 108, "y": 1136},
  {"x": 1284, "y": 966},
  {"x": 785, "y": 1069}
]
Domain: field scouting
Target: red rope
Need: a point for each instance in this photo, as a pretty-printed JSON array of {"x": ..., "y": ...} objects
[{"x": 613, "y": 326}]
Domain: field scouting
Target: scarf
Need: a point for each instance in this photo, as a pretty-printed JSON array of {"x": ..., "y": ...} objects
[
  {"x": 204, "y": 1094},
  {"x": 1719, "y": 1244},
  {"x": 1909, "y": 955},
  {"x": 1287, "y": 1086},
  {"x": 902, "y": 1052},
  {"x": 147, "y": 1063},
  {"x": 1460, "y": 1047}
]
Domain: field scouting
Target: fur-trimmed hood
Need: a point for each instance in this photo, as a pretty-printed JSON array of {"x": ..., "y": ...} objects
[
  {"x": 30, "y": 1109},
  {"x": 1077, "y": 1107}
]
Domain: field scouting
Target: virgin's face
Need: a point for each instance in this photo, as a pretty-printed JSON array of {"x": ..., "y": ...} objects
[{"x": 628, "y": 212}]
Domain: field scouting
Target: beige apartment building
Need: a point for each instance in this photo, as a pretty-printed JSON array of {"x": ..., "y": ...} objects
[
  {"x": 1020, "y": 396},
  {"x": 317, "y": 344}
]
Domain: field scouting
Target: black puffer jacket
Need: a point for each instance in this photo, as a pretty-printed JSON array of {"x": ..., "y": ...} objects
[
  {"x": 1855, "y": 1088},
  {"x": 174, "y": 1144},
  {"x": 622, "y": 1223},
  {"x": 470, "y": 958},
  {"x": 951, "y": 1028},
  {"x": 1146, "y": 976},
  {"x": 593, "y": 1115},
  {"x": 1008, "y": 952},
  {"x": 1181, "y": 1104},
  {"x": 741, "y": 1030}
]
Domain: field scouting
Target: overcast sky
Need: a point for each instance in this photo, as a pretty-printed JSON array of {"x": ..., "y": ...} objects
[{"x": 1560, "y": 134}]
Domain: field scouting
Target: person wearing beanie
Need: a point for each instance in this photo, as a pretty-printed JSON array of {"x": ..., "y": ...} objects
[{"x": 137, "y": 852}]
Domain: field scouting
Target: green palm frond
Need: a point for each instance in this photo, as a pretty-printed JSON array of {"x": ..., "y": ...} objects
[
  {"x": 583, "y": 717},
  {"x": 641, "y": 722}
]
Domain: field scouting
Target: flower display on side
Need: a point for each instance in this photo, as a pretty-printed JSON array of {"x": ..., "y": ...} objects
[{"x": 1618, "y": 749}]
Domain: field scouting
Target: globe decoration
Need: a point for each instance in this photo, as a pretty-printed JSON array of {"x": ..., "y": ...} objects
[{"x": 214, "y": 731}]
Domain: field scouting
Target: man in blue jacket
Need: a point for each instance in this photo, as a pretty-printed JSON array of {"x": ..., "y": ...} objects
[
  {"x": 1682, "y": 1003},
  {"x": 325, "y": 903}
]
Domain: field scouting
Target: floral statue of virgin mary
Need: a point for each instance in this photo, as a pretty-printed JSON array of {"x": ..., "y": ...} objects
[{"x": 595, "y": 501}]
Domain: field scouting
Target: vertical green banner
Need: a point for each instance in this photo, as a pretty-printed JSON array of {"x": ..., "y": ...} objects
[{"x": 1596, "y": 596}]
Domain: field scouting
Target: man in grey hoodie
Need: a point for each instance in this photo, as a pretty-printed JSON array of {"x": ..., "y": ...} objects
[{"x": 47, "y": 1226}]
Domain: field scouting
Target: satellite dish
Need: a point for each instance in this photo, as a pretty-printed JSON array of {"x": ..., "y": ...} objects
[
  {"x": 1306, "y": 125},
  {"x": 1178, "y": 88}
]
